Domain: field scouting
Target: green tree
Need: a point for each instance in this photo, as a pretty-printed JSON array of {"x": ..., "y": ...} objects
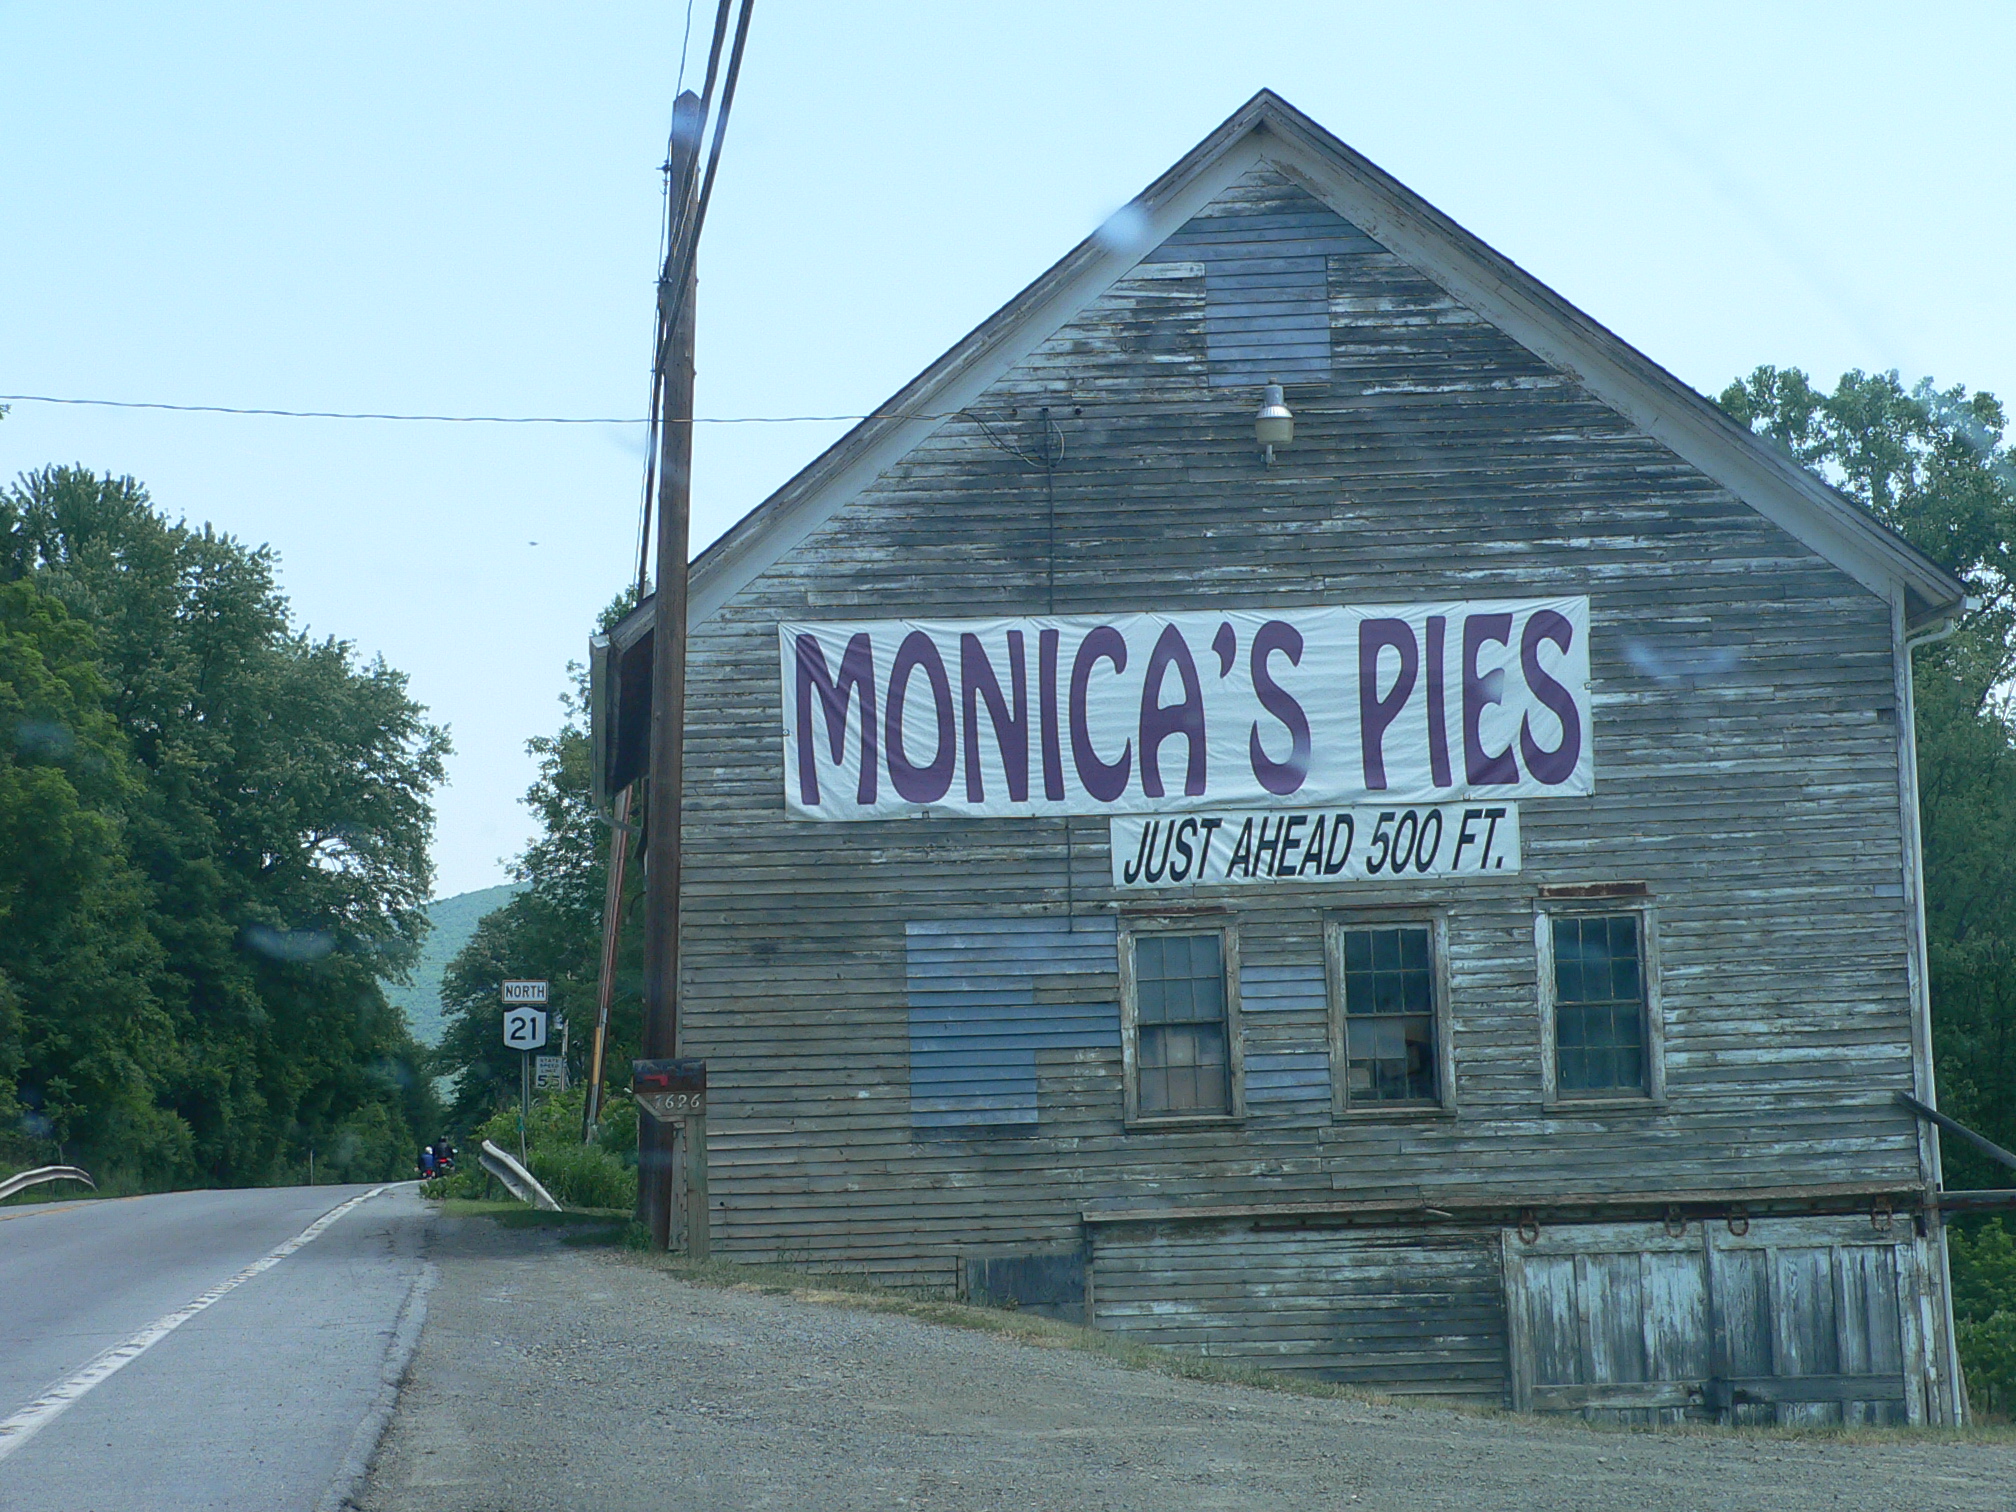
[
  {"x": 553, "y": 929},
  {"x": 279, "y": 829},
  {"x": 1984, "y": 1314},
  {"x": 1934, "y": 465},
  {"x": 85, "y": 1047}
]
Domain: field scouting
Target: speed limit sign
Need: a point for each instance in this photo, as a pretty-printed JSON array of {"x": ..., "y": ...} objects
[{"x": 525, "y": 1028}]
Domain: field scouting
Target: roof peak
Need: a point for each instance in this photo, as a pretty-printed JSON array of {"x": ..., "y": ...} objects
[{"x": 1268, "y": 128}]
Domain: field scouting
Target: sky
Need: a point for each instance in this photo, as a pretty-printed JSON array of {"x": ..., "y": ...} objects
[{"x": 455, "y": 209}]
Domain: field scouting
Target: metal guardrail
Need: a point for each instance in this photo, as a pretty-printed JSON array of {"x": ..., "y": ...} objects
[
  {"x": 518, "y": 1181},
  {"x": 26, "y": 1179}
]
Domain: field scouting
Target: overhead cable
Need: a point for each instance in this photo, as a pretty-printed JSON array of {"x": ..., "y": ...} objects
[{"x": 292, "y": 414}]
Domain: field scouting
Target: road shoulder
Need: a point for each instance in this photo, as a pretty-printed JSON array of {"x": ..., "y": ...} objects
[{"x": 555, "y": 1376}]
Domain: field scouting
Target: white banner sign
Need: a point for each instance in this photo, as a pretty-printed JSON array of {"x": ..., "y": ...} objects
[
  {"x": 1143, "y": 713},
  {"x": 1316, "y": 845}
]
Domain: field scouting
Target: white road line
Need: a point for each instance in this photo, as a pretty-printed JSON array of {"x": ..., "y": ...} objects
[{"x": 38, "y": 1414}]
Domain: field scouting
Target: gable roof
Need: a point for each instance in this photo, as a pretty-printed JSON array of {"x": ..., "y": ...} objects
[{"x": 1268, "y": 129}]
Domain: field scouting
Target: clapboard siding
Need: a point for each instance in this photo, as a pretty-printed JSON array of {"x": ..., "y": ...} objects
[
  {"x": 900, "y": 1071},
  {"x": 1418, "y": 1314}
]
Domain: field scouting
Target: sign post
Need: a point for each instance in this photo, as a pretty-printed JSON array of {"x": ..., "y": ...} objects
[{"x": 524, "y": 1031}]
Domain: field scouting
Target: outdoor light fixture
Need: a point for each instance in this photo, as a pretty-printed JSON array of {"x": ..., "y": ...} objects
[{"x": 1274, "y": 425}]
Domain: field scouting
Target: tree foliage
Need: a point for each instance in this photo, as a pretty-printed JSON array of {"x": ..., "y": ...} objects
[
  {"x": 1934, "y": 465},
  {"x": 259, "y": 806},
  {"x": 82, "y": 1037},
  {"x": 553, "y": 929},
  {"x": 1984, "y": 1314}
]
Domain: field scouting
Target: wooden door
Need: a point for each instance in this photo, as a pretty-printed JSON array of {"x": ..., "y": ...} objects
[{"x": 1801, "y": 1320}]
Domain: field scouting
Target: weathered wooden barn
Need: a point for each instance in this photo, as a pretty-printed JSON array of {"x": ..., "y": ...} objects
[{"x": 1435, "y": 905}]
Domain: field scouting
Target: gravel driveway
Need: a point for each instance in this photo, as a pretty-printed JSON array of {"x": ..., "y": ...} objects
[{"x": 553, "y": 1377}]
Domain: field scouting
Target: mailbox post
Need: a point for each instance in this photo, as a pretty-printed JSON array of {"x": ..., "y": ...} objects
[{"x": 674, "y": 1093}]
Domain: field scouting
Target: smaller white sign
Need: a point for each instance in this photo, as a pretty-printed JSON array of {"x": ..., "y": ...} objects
[
  {"x": 549, "y": 1071},
  {"x": 1401, "y": 843},
  {"x": 525, "y": 1028},
  {"x": 524, "y": 992}
]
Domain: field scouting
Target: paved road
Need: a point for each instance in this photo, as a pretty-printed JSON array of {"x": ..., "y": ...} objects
[
  {"x": 550, "y": 1377},
  {"x": 256, "y": 1401}
]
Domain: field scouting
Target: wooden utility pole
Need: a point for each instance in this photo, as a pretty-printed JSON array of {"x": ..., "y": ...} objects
[
  {"x": 657, "y": 1143},
  {"x": 605, "y": 981}
]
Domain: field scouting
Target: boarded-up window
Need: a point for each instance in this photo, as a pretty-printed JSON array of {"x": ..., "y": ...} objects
[
  {"x": 1389, "y": 1014},
  {"x": 1182, "y": 1052},
  {"x": 1265, "y": 248},
  {"x": 1599, "y": 1004},
  {"x": 988, "y": 998}
]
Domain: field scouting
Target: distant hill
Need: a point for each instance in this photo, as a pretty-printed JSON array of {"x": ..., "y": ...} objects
[{"x": 454, "y": 922}]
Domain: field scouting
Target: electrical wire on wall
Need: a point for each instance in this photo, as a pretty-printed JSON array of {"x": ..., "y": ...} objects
[{"x": 1047, "y": 458}]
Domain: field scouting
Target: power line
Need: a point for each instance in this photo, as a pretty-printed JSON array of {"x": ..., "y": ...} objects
[
  {"x": 289, "y": 414},
  {"x": 685, "y": 41}
]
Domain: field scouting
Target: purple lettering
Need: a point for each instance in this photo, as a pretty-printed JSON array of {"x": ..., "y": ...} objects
[
  {"x": 1103, "y": 780},
  {"x": 857, "y": 673},
  {"x": 1558, "y": 765},
  {"x": 1376, "y": 713},
  {"x": 1186, "y": 718},
  {"x": 1046, "y": 697},
  {"x": 925, "y": 784},
  {"x": 1011, "y": 732},
  {"x": 1484, "y": 768},
  {"x": 1279, "y": 776},
  {"x": 1438, "y": 704}
]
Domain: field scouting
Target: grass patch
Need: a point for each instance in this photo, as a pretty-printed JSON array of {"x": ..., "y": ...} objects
[{"x": 575, "y": 1226}]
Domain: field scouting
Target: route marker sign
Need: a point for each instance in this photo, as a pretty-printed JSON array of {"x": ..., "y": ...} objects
[{"x": 525, "y": 1028}]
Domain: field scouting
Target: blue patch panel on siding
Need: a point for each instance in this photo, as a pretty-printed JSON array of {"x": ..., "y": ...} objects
[
  {"x": 1294, "y": 1073},
  {"x": 1266, "y": 297},
  {"x": 975, "y": 1024},
  {"x": 1292, "y": 1076},
  {"x": 1283, "y": 989}
]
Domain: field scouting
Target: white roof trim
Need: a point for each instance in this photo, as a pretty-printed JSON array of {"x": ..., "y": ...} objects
[
  {"x": 854, "y": 463},
  {"x": 1268, "y": 129},
  {"x": 1659, "y": 404}
]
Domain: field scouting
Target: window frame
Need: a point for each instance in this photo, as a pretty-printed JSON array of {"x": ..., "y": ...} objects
[
  {"x": 1335, "y": 927},
  {"x": 1131, "y": 928},
  {"x": 1638, "y": 904}
]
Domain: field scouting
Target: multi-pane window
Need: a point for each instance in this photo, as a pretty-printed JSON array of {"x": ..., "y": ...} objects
[
  {"x": 1599, "y": 1004},
  {"x": 1182, "y": 1060},
  {"x": 1389, "y": 1015}
]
